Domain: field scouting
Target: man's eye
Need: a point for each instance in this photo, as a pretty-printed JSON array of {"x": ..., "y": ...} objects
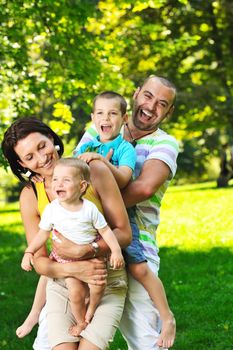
[{"x": 162, "y": 104}]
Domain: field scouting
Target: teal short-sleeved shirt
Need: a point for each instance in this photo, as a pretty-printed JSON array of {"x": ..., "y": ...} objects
[{"x": 123, "y": 152}]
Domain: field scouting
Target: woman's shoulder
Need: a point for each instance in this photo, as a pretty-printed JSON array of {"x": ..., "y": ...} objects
[
  {"x": 28, "y": 197},
  {"x": 27, "y": 192}
]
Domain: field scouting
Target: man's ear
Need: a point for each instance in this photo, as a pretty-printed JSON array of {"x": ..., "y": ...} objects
[
  {"x": 125, "y": 118},
  {"x": 135, "y": 95},
  {"x": 170, "y": 111}
]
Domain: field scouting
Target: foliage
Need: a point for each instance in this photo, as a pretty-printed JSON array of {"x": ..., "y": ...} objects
[
  {"x": 196, "y": 269},
  {"x": 61, "y": 53}
]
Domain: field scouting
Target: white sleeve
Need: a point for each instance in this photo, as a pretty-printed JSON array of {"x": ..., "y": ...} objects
[
  {"x": 166, "y": 149},
  {"x": 98, "y": 219},
  {"x": 46, "y": 219}
]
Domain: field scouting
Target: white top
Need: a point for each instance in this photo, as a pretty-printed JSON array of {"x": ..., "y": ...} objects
[{"x": 78, "y": 226}]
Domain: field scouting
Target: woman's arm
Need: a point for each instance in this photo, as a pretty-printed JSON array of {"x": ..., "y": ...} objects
[
  {"x": 30, "y": 217},
  {"x": 114, "y": 209}
]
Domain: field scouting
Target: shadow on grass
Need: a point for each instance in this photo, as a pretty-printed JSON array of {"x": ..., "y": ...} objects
[
  {"x": 198, "y": 284},
  {"x": 199, "y": 187},
  {"x": 6, "y": 211}
]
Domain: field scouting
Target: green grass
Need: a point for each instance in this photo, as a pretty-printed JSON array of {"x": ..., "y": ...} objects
[{"x": 196, "y": 251}]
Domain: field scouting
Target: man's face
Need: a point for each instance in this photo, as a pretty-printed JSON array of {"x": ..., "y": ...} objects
[{"x": 153, "y": 102}]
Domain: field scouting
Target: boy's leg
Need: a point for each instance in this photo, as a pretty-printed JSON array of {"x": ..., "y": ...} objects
[
  {"x": 96, "y": 293},
  {"x": 77, "y": 294},
  {"x": 143, "y": 274}
]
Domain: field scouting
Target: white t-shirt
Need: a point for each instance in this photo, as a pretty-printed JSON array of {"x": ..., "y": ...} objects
[{"x": 78, "y": 226}]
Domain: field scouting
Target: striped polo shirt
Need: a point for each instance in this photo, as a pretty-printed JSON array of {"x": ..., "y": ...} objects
[{"x": 158, "y": 145}]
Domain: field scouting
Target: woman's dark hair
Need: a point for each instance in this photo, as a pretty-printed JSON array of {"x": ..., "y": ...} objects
[{"x": 20, "y": 129}]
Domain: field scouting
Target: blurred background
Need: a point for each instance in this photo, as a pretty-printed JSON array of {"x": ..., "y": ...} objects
[{"x": 57, "y": 55}]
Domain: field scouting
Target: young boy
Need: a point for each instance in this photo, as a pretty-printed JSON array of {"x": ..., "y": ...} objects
[
  {"x": 80, "y": 221},
  {"x": 108, "y": 116}
]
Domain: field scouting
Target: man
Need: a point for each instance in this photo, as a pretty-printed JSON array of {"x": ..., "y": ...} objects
[{"x": 156, "y": 152}]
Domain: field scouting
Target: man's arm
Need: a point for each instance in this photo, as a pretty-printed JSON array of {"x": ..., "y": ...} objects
[{"x": 153, "y": 175}]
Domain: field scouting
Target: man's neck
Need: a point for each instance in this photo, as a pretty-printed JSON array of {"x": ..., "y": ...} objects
[{"x": 132, "y": 133}]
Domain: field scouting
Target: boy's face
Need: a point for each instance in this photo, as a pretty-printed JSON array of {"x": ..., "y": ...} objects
[
  {"x": 66, "y": 184},
  {"x": 108, "y": 118}
]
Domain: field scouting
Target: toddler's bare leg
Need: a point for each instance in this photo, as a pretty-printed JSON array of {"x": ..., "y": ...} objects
[
  {"x": 96, "y": 293},
  {"x": 77, "y": 294},
  {"x": 143, "y": 274}
]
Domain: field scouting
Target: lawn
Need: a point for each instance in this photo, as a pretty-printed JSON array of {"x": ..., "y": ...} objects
[{"x": 196, "y": 251}]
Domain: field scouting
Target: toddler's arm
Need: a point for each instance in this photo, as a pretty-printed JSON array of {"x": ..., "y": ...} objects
[
  {"x": 38, "y": 241},
  {"x": 116, "y": 258}
]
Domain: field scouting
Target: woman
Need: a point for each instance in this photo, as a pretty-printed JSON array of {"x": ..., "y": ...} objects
[{"x": 31, "y": 146}]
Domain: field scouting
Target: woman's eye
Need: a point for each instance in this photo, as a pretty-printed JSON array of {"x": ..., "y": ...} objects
[{"x": 42, "y": 146}]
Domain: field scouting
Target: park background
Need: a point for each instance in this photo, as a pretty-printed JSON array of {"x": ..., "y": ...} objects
[{"x": 56, "y": 55}]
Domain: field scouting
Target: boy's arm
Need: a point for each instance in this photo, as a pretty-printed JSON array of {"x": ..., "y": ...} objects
[{"x": 122, "y": 173}]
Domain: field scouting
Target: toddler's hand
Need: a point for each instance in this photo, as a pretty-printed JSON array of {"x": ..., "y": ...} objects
[
  {"x": 27, "y": 261},
  {"x": 117, "y": 260}
]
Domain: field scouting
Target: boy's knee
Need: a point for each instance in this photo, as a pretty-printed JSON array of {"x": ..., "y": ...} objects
[{"x": 139, "y": 271}]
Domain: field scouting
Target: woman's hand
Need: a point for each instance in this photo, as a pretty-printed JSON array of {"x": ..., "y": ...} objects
[
  {"x": 67, "y": 249},
  {"x": 91, "y": 271}
]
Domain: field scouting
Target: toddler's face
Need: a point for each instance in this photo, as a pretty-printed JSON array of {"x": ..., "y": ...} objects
[
  {"x": 66, "y": 183},
  {"x": 107, "y": 118}
]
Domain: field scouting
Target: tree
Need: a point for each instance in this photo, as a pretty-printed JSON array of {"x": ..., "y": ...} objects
[{"x": 56, "y": 55}]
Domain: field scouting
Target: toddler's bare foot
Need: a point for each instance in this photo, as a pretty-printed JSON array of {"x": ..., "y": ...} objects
[
  {"x": 168, "y": 333},
  {"x": 77, "y": 329},
  {"x": 28, "y": 324}
]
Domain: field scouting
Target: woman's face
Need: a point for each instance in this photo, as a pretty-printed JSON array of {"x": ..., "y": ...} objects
[{"x": 37, "y": 153}]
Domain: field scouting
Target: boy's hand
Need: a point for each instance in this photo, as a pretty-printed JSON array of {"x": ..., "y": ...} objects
[
  {"x": 89, "y": 156},
  {"x": 27, "y": 261},
  {"x": 36, "y": 178},
  {"x": 116, "y": 260}
]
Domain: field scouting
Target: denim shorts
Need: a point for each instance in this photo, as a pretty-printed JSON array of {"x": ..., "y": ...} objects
[{"x": 133, "y": 254}]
